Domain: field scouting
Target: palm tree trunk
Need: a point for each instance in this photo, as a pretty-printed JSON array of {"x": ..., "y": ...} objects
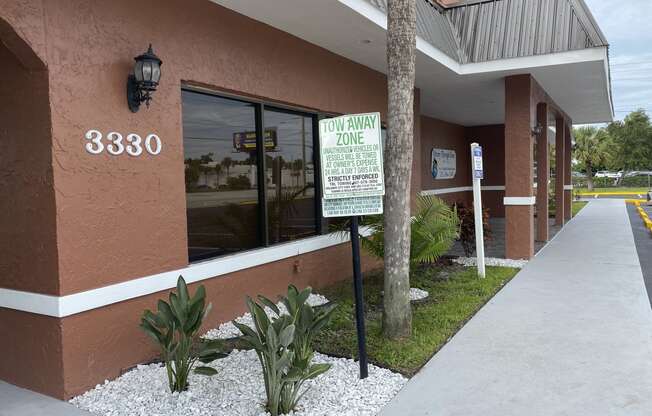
[
  {"x": 401, "y": 45},
  {"x": 589, "y": 176}
]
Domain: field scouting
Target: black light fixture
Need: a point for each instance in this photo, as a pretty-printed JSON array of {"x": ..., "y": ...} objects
[
  {"x": 144, "y": 79},
  {"x": 537, "y": 130}
]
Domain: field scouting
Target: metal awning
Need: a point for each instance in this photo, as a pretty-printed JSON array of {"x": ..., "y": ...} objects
[
  {"x": 465, "y": 51},
  {"x": 501, "y": 29}
]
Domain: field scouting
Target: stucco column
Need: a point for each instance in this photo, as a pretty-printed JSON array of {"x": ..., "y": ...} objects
[
  {"x": 560, "y": 163},
  {"x": 543, "y": 173},
  {"x": 519, "y": 161},
  {"x": 417, "y": 157},
  {"x": 568, "y": 184}
]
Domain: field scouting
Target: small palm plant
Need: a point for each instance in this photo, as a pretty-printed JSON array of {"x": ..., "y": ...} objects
[
  {"x": 283, "y": 344},
  {"x": 433, "y": 230},
  {"x": 174, "y": 327}
]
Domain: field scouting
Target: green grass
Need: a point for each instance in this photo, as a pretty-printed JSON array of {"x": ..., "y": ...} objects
[
  {"x": 623, "y": 189},
  {"x": 576, "y": 207},
  {"x": 456, "y": 294}
]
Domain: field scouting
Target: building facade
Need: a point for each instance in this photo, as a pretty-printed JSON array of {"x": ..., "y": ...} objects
[{"x": 218, "y": 179}]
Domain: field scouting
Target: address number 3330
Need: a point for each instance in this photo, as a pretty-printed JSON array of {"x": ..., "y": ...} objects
[{"x": 115, "y": 144}]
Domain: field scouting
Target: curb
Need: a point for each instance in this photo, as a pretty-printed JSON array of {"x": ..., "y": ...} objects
[{"x": 642, "y": 213}]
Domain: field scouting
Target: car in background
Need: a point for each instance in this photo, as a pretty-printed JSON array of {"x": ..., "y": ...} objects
[
  {"x": 638, "y": 173},
  {"x": 608, "y": 174}
]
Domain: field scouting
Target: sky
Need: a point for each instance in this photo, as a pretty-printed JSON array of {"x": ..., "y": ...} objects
[{"x": 627, "y": 26}]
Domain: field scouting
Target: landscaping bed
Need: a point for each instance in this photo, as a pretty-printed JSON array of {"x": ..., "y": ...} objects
[
  {"x": 238, "y": 390},
  {"x": 446, "y": 296},
  {"x": 456, "y": 294}
]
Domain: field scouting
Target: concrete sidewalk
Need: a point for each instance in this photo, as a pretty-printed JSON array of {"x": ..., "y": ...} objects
[
  {"x": 15, "y": 401},
  {"x": 570, "y": 335}
]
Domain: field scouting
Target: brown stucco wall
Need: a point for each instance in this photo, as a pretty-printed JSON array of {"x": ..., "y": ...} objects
[
  {"x": 442, "y": 135},
  {"x": 101, "y": 343},
  {"x": 31, "y": 352},
  {"x": 519, "y": 158},
  {"x": 28, "y": 255},
  {"x": 120, "y": 217},
  {"x": 103, "y": 201},
  {"x": 492, "y": 140},
  {"x": 415, "y": 179}
]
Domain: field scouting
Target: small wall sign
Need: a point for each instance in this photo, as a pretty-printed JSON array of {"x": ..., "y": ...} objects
[
  {"x": 117, "y": 144},
  {"x": 443, "y": 163},
  {"x": 478, "y": 172}
]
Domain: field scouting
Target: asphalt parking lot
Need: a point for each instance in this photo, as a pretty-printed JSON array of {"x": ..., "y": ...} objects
[{"x": 643, "y": 240}]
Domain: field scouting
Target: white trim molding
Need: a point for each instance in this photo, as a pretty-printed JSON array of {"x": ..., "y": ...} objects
[
  {"x": 568, "y": 187},
  {"x": 520, "y": 200},
  {"x": 62, "y": 306},
  {"x": 444, "y": 191}
]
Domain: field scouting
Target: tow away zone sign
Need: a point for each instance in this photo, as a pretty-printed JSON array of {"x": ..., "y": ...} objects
[
  {"x": 348, "y": 207},
  {"x": 351, "y": 156}
]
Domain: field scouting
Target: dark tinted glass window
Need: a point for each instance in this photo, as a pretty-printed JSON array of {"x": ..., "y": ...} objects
[
  {"x": 221, "y": 175},
  {"x": 290, "y": 173}
]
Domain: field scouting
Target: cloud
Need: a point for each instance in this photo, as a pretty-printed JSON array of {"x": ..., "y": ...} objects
[
  {"x": 626, "y": 26},
  {"x": 623, "y": 20}
]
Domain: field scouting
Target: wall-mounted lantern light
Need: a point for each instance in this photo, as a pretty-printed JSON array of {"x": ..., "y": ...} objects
[
  {"x": 537, "y": 130},
  {"x": 144, "y": 80}
]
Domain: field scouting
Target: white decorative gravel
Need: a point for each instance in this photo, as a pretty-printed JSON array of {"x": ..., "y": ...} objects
[
  {"x": 238, "y": 390},
  {"x": 418, "y": 294},
  {"x": 491, "y": 261},
  {"x": 228, "y": 330}
]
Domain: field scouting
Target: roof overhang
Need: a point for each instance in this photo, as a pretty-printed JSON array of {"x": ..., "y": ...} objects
[{"x": 463, "y": 93}]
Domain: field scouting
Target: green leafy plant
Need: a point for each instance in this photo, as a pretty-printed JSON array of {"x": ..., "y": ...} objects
[
  {"x": 433, "y": 230},
  {"x": 284, "y": 345},
  {"x": 467, "y": 227},
  {"x": 174, "y": 328}
]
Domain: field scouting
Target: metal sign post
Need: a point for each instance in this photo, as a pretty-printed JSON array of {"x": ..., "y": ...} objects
[
  {"x": 353, "y": 183},
  {"x": 478, "y": 175},
  {"x": 359, "y": 299}
]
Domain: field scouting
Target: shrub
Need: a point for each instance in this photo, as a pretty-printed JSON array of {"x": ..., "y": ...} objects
[
  {"x": 467, "y": 227},
  {"x": 284, "y": 346},
  {"x": 174, "y": 328},
  {"x": 238, "y": 183},
  {"x": 639, "y": 181},
  {"x": 604, "y": 182},
  {"x": 433, "y": 230}
]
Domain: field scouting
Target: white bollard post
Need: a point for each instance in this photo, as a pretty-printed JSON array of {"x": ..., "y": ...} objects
[{"x": 478, "y": 174}]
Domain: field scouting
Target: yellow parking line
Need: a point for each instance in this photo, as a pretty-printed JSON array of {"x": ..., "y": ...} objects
[{"x": 609, "y": 193}]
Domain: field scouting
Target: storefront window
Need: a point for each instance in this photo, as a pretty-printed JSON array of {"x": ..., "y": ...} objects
[
  {"x": 221, "y": 161},
  {"x": 290, "y": 172}
]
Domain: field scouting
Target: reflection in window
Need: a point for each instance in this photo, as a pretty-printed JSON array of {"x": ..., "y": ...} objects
[
  {"x": 290, "y": 174},
  {"x": 221, "y": 175}
]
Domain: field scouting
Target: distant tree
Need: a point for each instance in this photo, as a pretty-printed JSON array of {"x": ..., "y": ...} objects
[
  {"x": 227, "y": 162},
  {"x": 632, "y": 142},
  {"x": 207, "y": 158},
  {"x": 590, "y": 150}
]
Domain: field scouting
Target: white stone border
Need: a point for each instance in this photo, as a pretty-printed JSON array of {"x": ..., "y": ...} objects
[{"x": 62, "y": 306}]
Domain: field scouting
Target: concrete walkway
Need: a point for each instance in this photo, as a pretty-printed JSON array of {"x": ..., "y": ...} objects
[
  {"x": 15, "y": 401},
  {"x": 570, "y": 335}
]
